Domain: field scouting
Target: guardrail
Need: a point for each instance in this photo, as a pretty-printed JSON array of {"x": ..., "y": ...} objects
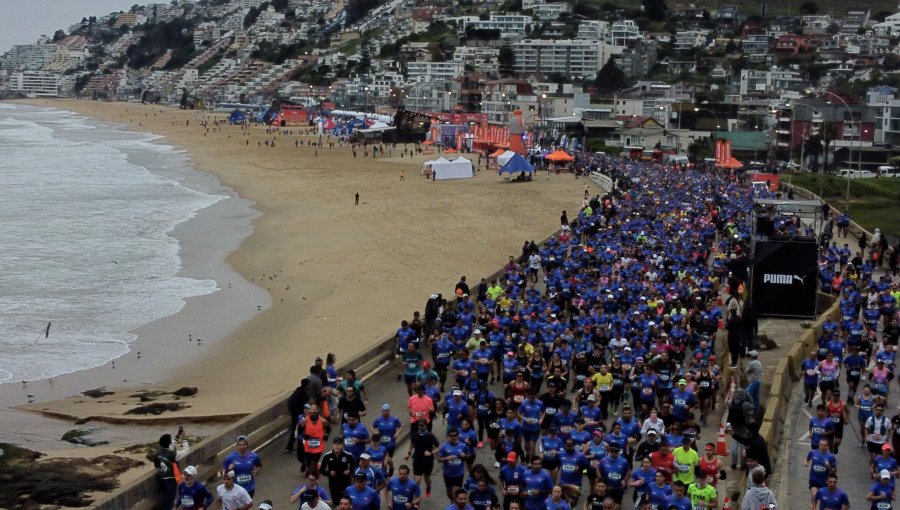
[
  {"x": 261, "y": 426},
  {"x": 787, "y": 371}
]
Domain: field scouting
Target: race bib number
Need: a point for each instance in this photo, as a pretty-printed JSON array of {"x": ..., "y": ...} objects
[
  {"x": 565, "y": 429},
  {"x": 463, "y": 373},
  {"x": 313, "y": 443},
  {"x": 455, "y": 462},
  {"x": 647, "y": 391},
  {"x": 663, "y": 377},
  {"x": 411, "y": 365},
  {"x": 400, "y": 499},
  {"x": 826, "y": 378},
  {"x": 679, "y": 402},
  {"x": 683, "y": 468},
  {"x": 810, "y": 372},
  {"x": 875, "y": 438},
  {"x": 187, "y": 501},
  {"x": 385, "y": 439},
  {"x": 854, "y": 373},
  {"x": 604, "y": 387},
  {"x": 595, "y": 463},
  {"x": 818, "y": 468},
  {"x": 569, "y": 468},
  {"x": 531, "y": 421},
  {"x": 348, "y": 441},
  {"x": 704, "y": 384},
  {"x": 883, "y": 505},
  {"x": 615, "y": 476},
  {"x": 243, "y": 478},
  {"x": 835, "y": 419},
  {"x": 513, "y": 489},
  {"x": 518, "y": 398}
]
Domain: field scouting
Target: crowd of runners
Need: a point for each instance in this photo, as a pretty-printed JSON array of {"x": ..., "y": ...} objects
[{"x": 586, "y": 373}]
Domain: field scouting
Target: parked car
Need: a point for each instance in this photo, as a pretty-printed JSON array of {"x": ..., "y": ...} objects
[{"x": 888, "y": 171}]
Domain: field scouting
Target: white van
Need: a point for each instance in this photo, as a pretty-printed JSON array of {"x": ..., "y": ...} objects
[
  {"x": 888, "y": 171},
  {"x": 855, "y": 174}
]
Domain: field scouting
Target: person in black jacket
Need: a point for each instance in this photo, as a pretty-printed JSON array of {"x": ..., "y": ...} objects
[{"x": 338, "y": 466}]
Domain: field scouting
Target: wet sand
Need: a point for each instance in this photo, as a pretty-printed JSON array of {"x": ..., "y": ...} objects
[{"x": 329, "y": 276}]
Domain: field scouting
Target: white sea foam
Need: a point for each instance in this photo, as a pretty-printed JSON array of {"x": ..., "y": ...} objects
[{"x": 85, "y": 241}]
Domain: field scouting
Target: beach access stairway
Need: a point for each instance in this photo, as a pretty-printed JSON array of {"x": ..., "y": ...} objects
[{"x": 213, "y": 51}]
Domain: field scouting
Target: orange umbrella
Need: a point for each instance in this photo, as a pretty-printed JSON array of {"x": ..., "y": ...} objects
[
  {"x": 497, "y": 153},
  {"x": 559, "y": 155},
  {"x": 450, "y": 151}
]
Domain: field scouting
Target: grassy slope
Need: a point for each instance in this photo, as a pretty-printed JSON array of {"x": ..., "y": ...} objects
[{"x": 873, "y": 202}]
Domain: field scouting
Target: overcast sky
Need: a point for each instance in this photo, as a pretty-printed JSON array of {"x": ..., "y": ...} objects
[{"x": 23, "y": 21}]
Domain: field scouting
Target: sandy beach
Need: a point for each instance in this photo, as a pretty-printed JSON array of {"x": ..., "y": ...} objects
[{"x": 319, "y": 274}]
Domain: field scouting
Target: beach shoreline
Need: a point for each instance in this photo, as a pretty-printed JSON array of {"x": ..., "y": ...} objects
[{"x": 339, "y": 277}]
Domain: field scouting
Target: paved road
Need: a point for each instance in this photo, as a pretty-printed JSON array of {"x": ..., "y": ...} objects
[{"x": 281, "y": 472}]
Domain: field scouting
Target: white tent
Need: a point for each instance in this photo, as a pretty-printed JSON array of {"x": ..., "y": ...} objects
[
  {"x": 438, "y": 161},
  {"x": 505, "y": 157},
  {"x": 459, "y": 168}
]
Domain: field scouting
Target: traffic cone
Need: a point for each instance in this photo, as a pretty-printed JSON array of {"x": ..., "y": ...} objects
[
  {"x": 721, "y": 446},
  {"x": 726, "y": 505}
]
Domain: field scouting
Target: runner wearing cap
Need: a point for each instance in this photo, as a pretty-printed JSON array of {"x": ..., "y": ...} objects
[
  {"x": 378, "y": 456},
  {"x": 512, "y": 480},
  {"x": 426, "y": 373},
  {"x": 686, "y": 461},
  {"x": 231, "y": 496},
  {"x": 310, "y": 487},
  {"x": 614, "y": 470},
  {"x": 388, "y": 427},
  {"x": 879, "y": 431},
  {"x": 267, "y": 505},
  {"x": 881, "y": 493},
  {"x": 703, "y": 495},
  {"x": 374, "y": 475},
  {"x": 245, "y": 464},
  {"x": 192, "y": 495},
  {"x": 362, "y": 496},
  {"x": 885, "y": 461},
  {"x": 509, "y": 367}
]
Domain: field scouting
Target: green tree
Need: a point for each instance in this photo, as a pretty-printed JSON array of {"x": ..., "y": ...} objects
[
  {"x": 506, "y": 60},
  {"x": 809, "y": 8},
  {"x": 365, "y": 60},
  {"x": 610, "y": 78},
  {"x": 59, "y": 35},
  {"x": 655, "y": 10}
]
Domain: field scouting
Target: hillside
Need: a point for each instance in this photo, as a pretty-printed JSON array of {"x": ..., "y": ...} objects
[{"x": 750, "y": 7}]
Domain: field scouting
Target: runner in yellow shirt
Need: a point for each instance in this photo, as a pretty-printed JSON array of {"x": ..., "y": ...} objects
[{"x": 686, "y": 460}]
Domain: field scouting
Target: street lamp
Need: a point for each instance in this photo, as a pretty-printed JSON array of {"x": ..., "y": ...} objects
[
  {"x": 366, "y": 104},
  {"x": 541, "y": 107},
  {"x": 449, "y": 100},
  {"x": 697, "y": 109},
  {"x": 850, "y": 150}
]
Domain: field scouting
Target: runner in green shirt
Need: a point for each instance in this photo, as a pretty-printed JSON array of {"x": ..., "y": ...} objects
[
  {"x": 686, "y": 460},
  {"x": 703, "y": 495}
]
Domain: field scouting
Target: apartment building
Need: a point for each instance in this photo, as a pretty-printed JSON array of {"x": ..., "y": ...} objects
[
  {"x": 574, "y": 58},
  {"x": 507, "y": 24},
  {"x": 36, "y": 83},
  {"x": 432, "y": 71},
  {"x": 593, "y": 30},
  {"x": 623, "y": 31}
]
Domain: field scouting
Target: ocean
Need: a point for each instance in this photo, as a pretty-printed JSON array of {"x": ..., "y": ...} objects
[{"x": 86, "y": 210}]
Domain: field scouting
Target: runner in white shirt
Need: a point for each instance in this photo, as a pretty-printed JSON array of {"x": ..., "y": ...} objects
[{"x": 230, "y": 496}]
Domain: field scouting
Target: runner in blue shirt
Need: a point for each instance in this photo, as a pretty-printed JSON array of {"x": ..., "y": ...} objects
[
  {"x": 820, "y": 462},
  {"x": 881, "y": 493},
  {"x": 453, "y": 455},
  {"x": 193, "y": 495},
  {"x": 403, "y": 492},
  {"x": 462, "y": 367},
  {"x": 614, "y": 470},
  {"x": 482, "y": 400},
  {"x": 641, "y": 480},
  {"x": 572, "y": 464},
  {"x": 483, "y": 496},
  {"x": 460, "y": 498},
  {"x": 363, "y": 497},
  {"x": 483, "y": 360},
  {"x": 442, "y": 350},
  {"x": 810, "y": 369},
  {"x": 831, "y": 497},
  {"x": 245, "y": 464},
  {"x": 355, "y": 436},
  {"x": 550, "y": 446},
  {"x": 512, "y": 479},
  {"x": 660, "y": 490},
  {"x": 820, "y": 426},
  {"x": 388, "y": 426},
  {"x": 455, "y": 409},
  {"x": 531, "y": 414},
  {"x": 374, "y": 475},
  {"x": 379, "y": 457},
  {"x": 556, "y": 500},
  {"x": 538, "y": 484},
  {"x": 677, "y": 499}
]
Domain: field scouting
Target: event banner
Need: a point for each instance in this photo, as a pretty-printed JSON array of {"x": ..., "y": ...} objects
[{"x": 785, "y": 278}]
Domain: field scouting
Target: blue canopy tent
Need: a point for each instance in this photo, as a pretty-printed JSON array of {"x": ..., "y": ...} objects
[
  {"x": 517, "y": 164},
  {"x": 237, "y": 117}
]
